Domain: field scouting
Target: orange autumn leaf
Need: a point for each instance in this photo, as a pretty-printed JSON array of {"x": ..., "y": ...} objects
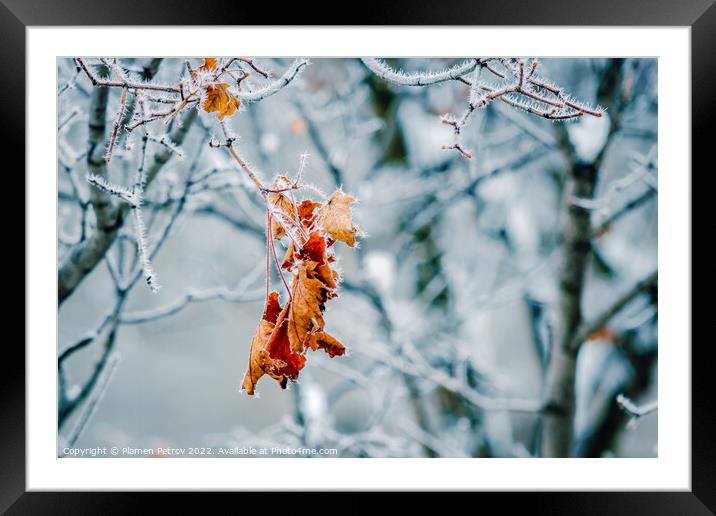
[
  {"x": 326, "y": 342},
  {"x": 209, "y": 65},
  {"x": 316, "y": 244},
  {"x": 272, "y": 309},
  {"x": 309, "y": 295},
  {"x": 306, "y": 212},
  {"x": 336, "y": 220},
  {"x": 315, "y": 252},
  {"x": 330, "y": 277},
  {"x": 314, "y": 228},
  {"x": 289, "y": 258},
  {"x": 282, "y": 338},
  {"x": 285, "y": 363},
  {"x": 259, "y": 361},
  {"x": 271, "y": 350},
  {"x": 220, "y": 99},
  {"x": 315, "y": 249}
]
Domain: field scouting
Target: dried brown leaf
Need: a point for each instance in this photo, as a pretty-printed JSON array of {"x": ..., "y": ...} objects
[
  {"x": 335, "y": 218},
  {"x": 326, "y": 342},
  {"x": 220, "y": 99},
  {"x": 309, "y": 295},
  {"x": 259, "y": 361}
]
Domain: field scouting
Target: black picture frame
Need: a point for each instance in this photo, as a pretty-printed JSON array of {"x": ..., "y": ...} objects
[{"x": 17, "y": 15}]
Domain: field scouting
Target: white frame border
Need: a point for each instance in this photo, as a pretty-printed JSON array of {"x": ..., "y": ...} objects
[{"x": 671, "y": 470}]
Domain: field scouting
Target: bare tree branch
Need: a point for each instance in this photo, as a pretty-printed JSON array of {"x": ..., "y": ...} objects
[
  {"x": 592, "y": 327},
  {"x": 86, "y": 255},
  {"x": 94, "y": 400},
  {"x": 604, "y": 226}
]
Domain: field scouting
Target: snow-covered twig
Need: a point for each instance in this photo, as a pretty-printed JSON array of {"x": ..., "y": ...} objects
[
  {"x": 166, "y": 142},
  {"x": 635, "y": 411},
  {"x": 94, "y": 399},
  {"x": 239, "y": 293},
  {"x": 387, "y": 73},
  {"x": 276, "y": 86},
  {"x": 105, "y": 83},
  {"x": 122, "y": 192}
]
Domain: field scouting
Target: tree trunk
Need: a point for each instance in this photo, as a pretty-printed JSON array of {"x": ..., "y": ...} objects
[
  {"x": 559, "y": 392},
  {"x": 558, "y": 420}
]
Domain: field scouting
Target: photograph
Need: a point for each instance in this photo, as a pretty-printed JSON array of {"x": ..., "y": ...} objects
[{"x": 357, "y": 257}]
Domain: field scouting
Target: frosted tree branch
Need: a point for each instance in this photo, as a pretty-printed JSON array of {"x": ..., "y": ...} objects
[
  {"x": 520, "y": 88},
  {"x": 122, "y": 192},
  {"x": 84, "y": 257},
  {"x": 385, "y": 72},
  {"x": 105, "y": 83},
  {"x": 94, "y": 399},
  {"x": 635, "y": 411},
  {"x": 276, "y": 86}
]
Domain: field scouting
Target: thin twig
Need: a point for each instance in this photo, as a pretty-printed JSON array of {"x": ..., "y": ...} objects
[
  {"x": 635, "y": 411},
  {"x": 94, "y": 400},
  {"x": 616, "y": 307}
]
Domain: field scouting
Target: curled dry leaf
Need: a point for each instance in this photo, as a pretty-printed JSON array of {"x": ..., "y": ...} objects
[
  {"x": 283, "y": 208},
  {"x": 309, "y": 295},
  {"x": 271, "y": 350},
  {"x": 286, "y": 333},
  {"x": 307, "y": 212},
  {"x": 220, "y": 99},
  {"x": 216, "y": 95},
  {"x": 258, "y": 361},
  {"x": 258, "y": 358},
  {"x": 335, "y": 218},
  {"x": 284, "y": 364},
  {"x": 324, "y": 341},
  {"x": 315, "y": 254}
]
